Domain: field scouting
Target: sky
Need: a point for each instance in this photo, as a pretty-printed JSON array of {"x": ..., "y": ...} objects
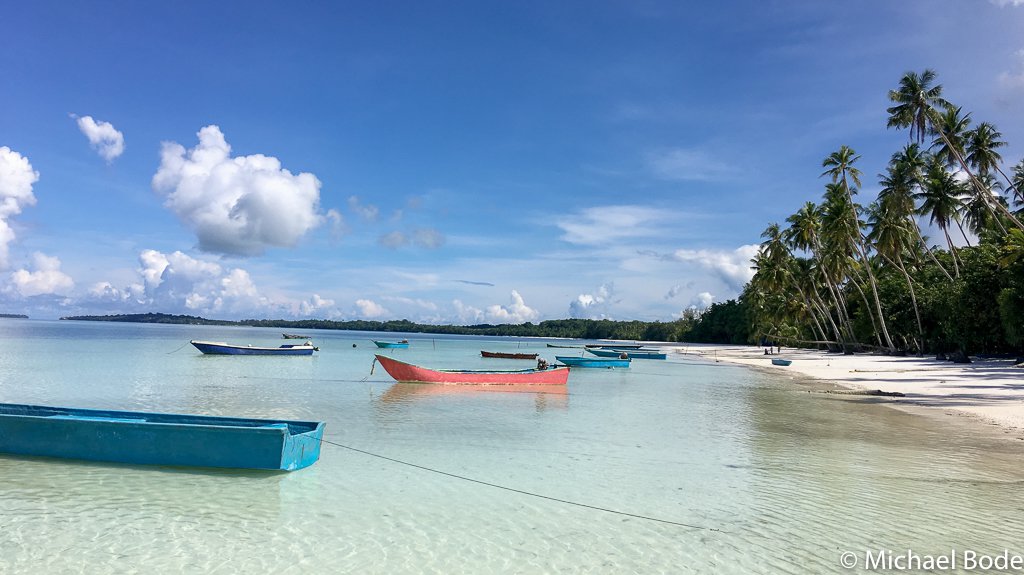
[{"x": 447, "y": 162}]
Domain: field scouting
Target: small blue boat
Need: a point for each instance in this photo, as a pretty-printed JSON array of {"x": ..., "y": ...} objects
[
  {"x": 221, "y": 348},
  {"x": 630, "y": 353},
  {"x": 573, "y": 361},
  {"x": 392, "y": 344},
  {"x": 777, "y": 361},
  {"x": 159, "y": 438}
]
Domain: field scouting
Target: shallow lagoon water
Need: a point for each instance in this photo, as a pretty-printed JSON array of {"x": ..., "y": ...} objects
[{"x": 766, "y": 477}]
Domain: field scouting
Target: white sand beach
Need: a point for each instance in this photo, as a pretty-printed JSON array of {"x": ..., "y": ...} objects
[{"x": 990, "y": 390}]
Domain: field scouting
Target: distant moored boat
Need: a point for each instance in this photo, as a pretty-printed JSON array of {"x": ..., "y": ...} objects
[
  {"x": 392, "y": 344},
  {"x": 221, "y": 348},
  {"x": 409, "y": 373},
  {"x": 503, "y": 355},
  {"x": 630, "y": 353},
  {"x": 606, "y": 362}
]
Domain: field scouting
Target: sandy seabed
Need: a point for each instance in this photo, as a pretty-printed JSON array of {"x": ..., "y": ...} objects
[{"x": 989, "y": 390}]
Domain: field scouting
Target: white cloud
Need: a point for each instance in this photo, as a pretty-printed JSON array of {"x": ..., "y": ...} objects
[
  {"x": 604, "y": 224},
  {"x": 467, "y": 314},
  {"x": 733, "y": 267},
  {"x": 47, "y": 279},
  {"x": 370, "y": 309},
  {"x": 702, "y": 300},
  {"x": 338, "y": 227},
  {"x": 1002, "y": 3},
  {"x": 516, "y": 312},
  {"x": 394, "y": 240},
  {"x": 16, "y": 180},
  {"x": 592, "y": 306},
  {"x": 428, "y": 238},
  {"x": 237, "y": 206},
  {"x": 104, "y": 138},
  {"x": 315, "y": 304},
  {"x": 368, "y": 212},
  {"x": 677, "y": 289},
  {"x": 1013, "y": 81},
  {"x": 679, "y": 164}
]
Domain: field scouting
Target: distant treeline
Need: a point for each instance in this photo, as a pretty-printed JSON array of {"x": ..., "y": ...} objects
[
  {"x": 561, "y": 328},
  {"x": 13, "y": 316}
]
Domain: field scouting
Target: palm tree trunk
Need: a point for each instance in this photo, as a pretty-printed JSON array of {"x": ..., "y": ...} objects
[
  {"x": 913, "y": 298},
  {"x": 962, "y": 232},
  {"x": 927, "y": 249},
  {"x": 874, "y": 290},
  {"x": 952, "y": 251},
  {"x": 867, "y": 306},
  {"x": 980, "y": 189},
  {"x": 1012, "y": 188}
]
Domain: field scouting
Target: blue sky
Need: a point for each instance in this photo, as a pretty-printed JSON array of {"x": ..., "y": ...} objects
[{"x": 448, "y": 162}]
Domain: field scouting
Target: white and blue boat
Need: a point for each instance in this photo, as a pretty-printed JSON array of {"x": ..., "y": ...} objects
[
  {"x": 159, "y": 438},
  {"x": 630, "y": 353},
  {"x": 573, "y": 361},
  {"x": 221, "y": 348},
  {"x": 392, "y": 344}
]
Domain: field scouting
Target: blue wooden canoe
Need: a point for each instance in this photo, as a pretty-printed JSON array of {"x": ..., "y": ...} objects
[
  {"x": 572, "y": 361},
  {"x": 631, "y": 353},
  {"x": 391, "y": 344},
  {"x": 159, "y": 438},
  {"x": 221, "y": 348}
]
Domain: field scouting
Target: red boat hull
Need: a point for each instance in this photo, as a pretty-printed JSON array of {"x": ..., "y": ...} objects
[{"x": 406, "y": 372}]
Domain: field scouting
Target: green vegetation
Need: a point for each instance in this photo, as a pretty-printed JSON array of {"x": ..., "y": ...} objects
[
  {"x": 846, "y": 275},
  {"x": 562, "y": 328},
  {"x": 855, "y": 277}
]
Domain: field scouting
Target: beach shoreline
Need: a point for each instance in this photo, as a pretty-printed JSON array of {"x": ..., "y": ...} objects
[{"x": 987, "y": 394}]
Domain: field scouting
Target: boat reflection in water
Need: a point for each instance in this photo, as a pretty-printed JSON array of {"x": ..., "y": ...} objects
[{"x": 546, "y": 397}]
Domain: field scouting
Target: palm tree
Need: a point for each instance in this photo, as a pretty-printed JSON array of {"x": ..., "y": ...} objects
[
  {"x": 918, "y": 105},
  {"x": 951, "y": 130},
  {"x": 1018, "y": 182},
  {"x": 804, "y": 233},
  {"x": 899, "y": 184},
  {"x": 982, "y": 148},
  {"x": 942, "y": 201},
  {"x": 892, "y": 236},
  {"x": 841, "y": 170}
]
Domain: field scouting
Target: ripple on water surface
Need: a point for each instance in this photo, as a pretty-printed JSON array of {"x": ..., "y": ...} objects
[{"x": 766, "y": 478}]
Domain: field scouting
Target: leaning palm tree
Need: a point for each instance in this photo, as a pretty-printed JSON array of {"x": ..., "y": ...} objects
[
  {"x": 892, "y": 236},
  {"x": 902, "y": 179},
  {"x": 982, "y": 148},
  {"x": 804, "y": 233},
  {"x": 842, "y": 172},
  {"x": 951, "y": 130},
  {"x": 942, "y": 201},
  {"x": 918, "y": 106},
  {"x": 1018, "y": 182}
]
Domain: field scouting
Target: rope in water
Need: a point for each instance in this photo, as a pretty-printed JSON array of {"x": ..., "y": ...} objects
[{"x": 522, "y": 492}]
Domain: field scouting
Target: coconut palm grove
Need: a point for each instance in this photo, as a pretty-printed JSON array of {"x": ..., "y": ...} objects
[{"x": 862, "y": 274}]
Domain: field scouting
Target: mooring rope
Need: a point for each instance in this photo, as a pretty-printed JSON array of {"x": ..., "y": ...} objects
[
  {"x": 523, "y": 492},
  {"x": 179, "y": 349}
]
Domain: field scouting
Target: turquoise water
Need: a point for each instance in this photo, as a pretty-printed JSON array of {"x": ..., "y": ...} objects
[{"x": 769, "y": 478}]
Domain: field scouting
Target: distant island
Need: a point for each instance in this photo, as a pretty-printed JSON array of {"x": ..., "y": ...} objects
[
  {"x": 13, "y": 316},
  {"x": 688, "y": 328}
]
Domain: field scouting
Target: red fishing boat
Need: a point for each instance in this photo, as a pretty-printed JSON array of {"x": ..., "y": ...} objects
[{"x": 409, "y": 373}]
